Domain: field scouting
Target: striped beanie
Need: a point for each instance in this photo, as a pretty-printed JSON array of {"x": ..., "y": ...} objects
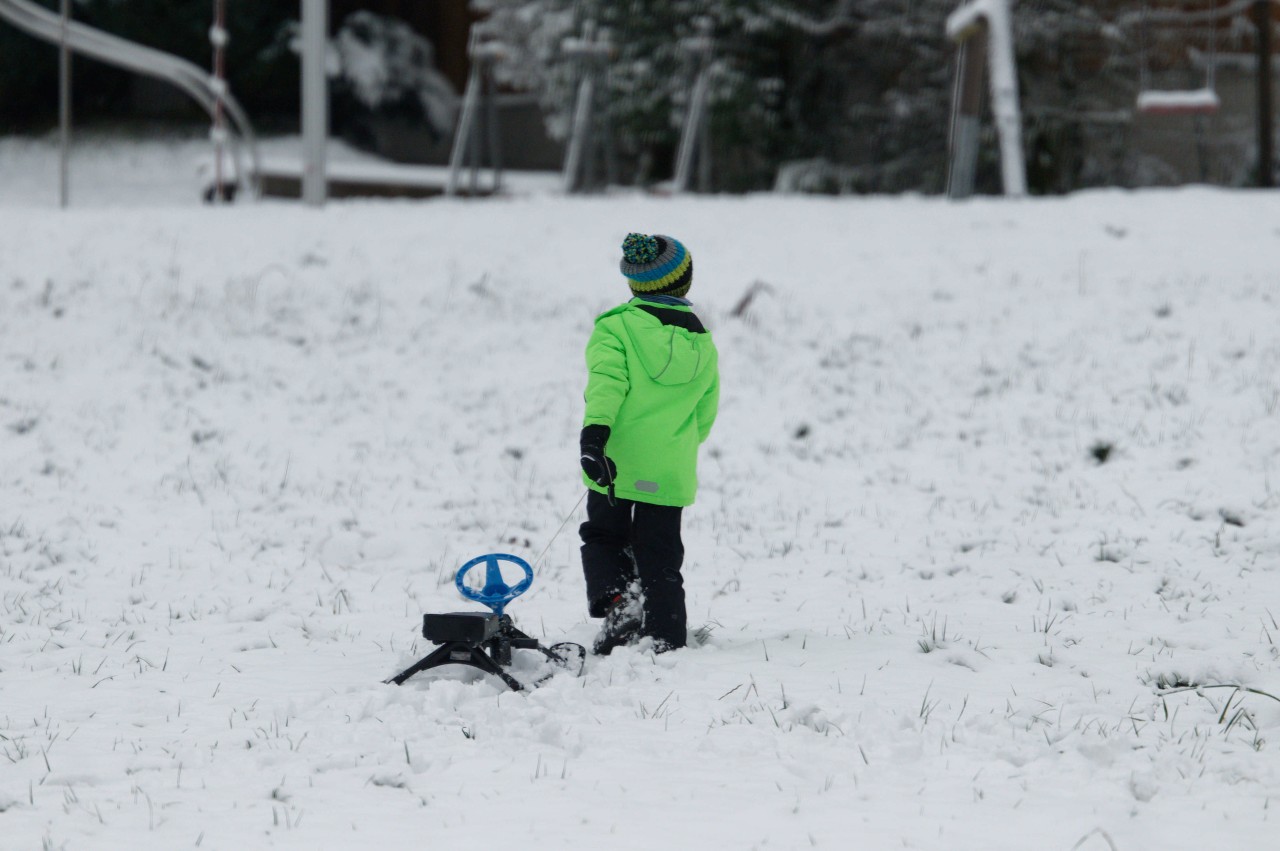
[{"x": 656, "y": 265}]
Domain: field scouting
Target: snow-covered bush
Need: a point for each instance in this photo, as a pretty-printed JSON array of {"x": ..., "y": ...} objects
[{"x": 384, "y": 68}]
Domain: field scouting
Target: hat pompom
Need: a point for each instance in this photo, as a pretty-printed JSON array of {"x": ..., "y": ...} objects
[{"x": 639, "y": 248}]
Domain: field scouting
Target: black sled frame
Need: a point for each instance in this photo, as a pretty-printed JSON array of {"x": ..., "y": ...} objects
[{"x": 485, "y": 640}]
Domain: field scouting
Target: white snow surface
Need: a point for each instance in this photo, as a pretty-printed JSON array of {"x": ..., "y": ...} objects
[{"x": 244, "y": 449}]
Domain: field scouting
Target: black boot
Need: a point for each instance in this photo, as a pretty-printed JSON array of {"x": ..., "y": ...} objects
[{"x": 623, "y": 623}]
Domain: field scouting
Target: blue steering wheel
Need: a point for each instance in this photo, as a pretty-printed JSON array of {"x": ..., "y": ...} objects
[{"x": 496, "y": 593}]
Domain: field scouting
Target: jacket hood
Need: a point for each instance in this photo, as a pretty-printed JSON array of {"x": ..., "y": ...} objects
[{"x": 670, "y": 355}]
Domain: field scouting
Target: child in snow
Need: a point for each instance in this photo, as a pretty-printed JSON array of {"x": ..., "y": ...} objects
[{"x": 653, "y": 387}]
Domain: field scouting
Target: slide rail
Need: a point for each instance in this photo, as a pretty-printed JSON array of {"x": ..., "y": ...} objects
[{"x": 187, "y": 76}]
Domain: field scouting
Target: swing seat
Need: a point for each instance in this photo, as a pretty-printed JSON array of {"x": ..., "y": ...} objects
[{"x": 1194, "y": 102}]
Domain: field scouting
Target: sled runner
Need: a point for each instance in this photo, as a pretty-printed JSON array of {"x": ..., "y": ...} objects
[{"x": 485, "y": 640}]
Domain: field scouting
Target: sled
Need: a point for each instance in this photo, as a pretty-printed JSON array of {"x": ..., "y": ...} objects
[{"x": 486, "y": 640}]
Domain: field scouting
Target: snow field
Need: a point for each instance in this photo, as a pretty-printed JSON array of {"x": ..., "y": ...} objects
[{"x": 242, "y": 450}]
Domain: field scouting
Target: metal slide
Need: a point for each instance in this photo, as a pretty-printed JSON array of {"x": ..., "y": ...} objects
[{"x": 195, "y": 81}]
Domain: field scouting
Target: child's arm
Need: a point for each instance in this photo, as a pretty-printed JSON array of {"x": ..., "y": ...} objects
[
  {"x": 708, "y": 407},
  {"x": 607, "y": 382}
]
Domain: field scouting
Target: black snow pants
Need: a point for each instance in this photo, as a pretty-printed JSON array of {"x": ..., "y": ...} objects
[{"x": 636, "y": 541}]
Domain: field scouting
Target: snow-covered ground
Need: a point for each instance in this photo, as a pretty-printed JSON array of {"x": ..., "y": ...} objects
[{"x": 243, "y": 449}]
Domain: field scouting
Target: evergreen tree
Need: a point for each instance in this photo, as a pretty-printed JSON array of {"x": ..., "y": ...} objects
[
  {"x": 861, "y": 84},
  {"x": 1078, "y": 77},
  {"x": 651, "y": 74}
]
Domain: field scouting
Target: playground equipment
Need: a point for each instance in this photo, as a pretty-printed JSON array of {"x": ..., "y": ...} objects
[
  {"x": 479, "y": 105},
  {"x": 1262, "y": 13},
  {"x": 218, "y": 38},
  {"x": 1263, "y": 17},
  {"x": 64, "y": 109},
  {"x": 984, "y": 33},
  {"x": 207, "y": 91},
  {"x": 591, "y": 133},
  {"x": 315, "y": 101},
  {"x": 485, "y": 640},
  {"x": 1156, "y": 101},
  {"x": 695, "y": 140}
]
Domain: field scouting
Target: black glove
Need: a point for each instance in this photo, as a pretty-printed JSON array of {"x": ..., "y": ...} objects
[{"x": 598, "y": 466}]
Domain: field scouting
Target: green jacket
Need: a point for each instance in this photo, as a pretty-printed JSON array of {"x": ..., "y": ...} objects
[{"x": 654, "y": 379}]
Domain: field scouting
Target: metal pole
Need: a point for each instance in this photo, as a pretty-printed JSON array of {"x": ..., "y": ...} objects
[
  {"x": 610, "y": 149},
  {"x": 578, "y": 135},
  {"x": 966, "y": 112},
  {"x": 473, "y": 153},
  {"x": 1265, "y": 154},
  {"x": 218, "y": 38},
  {"x": 64, "y": 110},
  {"x": 704, "y": 153},
  {"x": 462, "y": 136},
  {"x": 692, "y": 124},
  {"x": 1004, "y": 98},
  {"x": 589, "y": 141},
  {"x": 315, "y": 101},
  {"x": 491, "y": 124}
]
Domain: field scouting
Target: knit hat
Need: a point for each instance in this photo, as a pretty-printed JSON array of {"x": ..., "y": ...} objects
[{"x": 656, "y": 265}]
